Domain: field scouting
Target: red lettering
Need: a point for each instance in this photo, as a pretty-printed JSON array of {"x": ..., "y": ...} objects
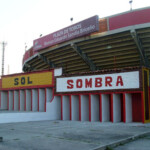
[
  {"x": 79, "y": 83},
  {"x": 98, "y": 82},
  {"x": 70, "y": 84},
  {"x": 108, "y": 81},
  {"x": 119, "y": 81},
  {"x": 88, "y": 83}
]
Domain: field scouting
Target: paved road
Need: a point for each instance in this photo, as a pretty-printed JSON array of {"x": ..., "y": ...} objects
[{"x": 66, "y": 135}]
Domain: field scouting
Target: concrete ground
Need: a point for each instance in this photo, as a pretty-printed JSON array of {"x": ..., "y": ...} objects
[{"x": 72, "y": 135}]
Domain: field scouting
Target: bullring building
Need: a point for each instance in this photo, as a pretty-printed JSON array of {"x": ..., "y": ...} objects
[{"x": 94, "y": 70}]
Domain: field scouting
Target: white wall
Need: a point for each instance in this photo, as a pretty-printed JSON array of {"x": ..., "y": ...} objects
[
  {"x": 53, "y": 113},
  {"x": 34, "y": 100},
  {"x": 66, "y": 108},
  {"x": 128, "y": 107},
  {"x": 84, "y": 107},
  {"x": 105, "y": 108},
  {"x": 4, "y": 100},
  {"x": 75, "y": 107},
  {"x": 116, "y": 107},
  {"x": 54, "y": 108},
  {"x": 10, "y": 100},
  {"x": 16, "y": 100},
  {"x": 95, "y": 110}
]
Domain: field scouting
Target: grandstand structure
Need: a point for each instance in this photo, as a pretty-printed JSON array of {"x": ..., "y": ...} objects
[{"x": 122, "y": 40}]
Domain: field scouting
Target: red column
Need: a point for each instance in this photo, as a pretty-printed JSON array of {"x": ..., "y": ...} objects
[
  {"x": 70, "y": 107},
  {"x": 100, "y": 107},
  {"x": 111, "y": 108},
  {"x": 79, "y": 107},
  {"x": 90, "y": 107},
  {"x": 61, "y": 107},
  {"x": 124, "y": 108}
]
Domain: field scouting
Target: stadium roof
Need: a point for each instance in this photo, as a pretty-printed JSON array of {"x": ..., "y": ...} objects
[{"x": 123, "y": 40}]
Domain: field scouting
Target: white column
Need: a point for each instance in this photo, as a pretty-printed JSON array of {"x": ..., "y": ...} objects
[
  {"x": 95, "y": 108},
  {"x": 128, "y": 106},
  {"x": 34, "y": 100},
  {"x": 105, "y": 108},
  {"x": 75, "y": 107},
  {"x": 4, "y": 100},
  {"x": 28, "y": 100},
  {"x": 117, "y": 107},
  {"x": 84, "y": 107},
  {"x": 22, "y": 100},
  {"x": 41, "y": 100},
  {"x": 10, "y": 100},
  {"x": 66, "y": 108}
]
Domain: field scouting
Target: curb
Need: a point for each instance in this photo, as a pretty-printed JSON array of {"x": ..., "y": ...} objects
[{"x": 123, "y": 141}]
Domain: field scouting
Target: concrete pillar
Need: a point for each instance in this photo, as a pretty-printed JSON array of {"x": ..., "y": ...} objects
[
  {"x": 16, "y": 100},
  {"x": 4, "y": 97},
  {"x": 10, "y": 100},
  {"x": 41, "y": 100},
  {"x": 75, "y": 107},
  {"x": 128, "y": 107},
  {"x": 28, "y": 100},
  {"x": 105, "y": 107},
  {"x": 84, "y": 107},
  {"x": 116, "y": 108},
  {"x": 34, "y": 100},
  {"x": 95, "y": 110},
  {"x": 22, "y": 100}
]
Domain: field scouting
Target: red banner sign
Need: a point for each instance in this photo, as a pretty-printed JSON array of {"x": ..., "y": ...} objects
[{"x": 76, "y": 30}]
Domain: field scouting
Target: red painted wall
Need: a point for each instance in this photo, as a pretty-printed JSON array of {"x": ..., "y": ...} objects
[
  {"x": 128, "y": 19},
  {"x": 136, "y": 107}
]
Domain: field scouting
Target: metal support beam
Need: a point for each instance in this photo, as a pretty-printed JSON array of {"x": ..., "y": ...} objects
[
  {"x": 51, "y": 64},
  {"x": 143, "y": 57},
  {"x": 84, "y": 56},
  {"x": 27, "y": 68}
]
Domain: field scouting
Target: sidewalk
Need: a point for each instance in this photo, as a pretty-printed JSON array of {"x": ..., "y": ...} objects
[{"x": 68, "y": 135}]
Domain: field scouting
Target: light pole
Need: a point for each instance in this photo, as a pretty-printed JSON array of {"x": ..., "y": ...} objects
[
  {"x": 130, "y": 2},
  {"x": 3, "y": 56}
]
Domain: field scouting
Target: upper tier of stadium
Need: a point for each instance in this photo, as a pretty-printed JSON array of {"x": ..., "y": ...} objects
[{"x": 119, "y": 41}]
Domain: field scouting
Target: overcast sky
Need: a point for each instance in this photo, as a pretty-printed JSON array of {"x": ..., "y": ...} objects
[{"x": 22, "y": 21}]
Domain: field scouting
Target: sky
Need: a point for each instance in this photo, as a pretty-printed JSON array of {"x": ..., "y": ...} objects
[{"x": 22, "y": 21}]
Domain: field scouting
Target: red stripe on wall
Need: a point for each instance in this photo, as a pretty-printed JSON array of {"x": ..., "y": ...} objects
[
  {"x": 70, "y": 107},
  {"x": 89, "y": 107},
  {"x": 38, "y": 98},
  {"x": 8, "y": 100},
  {"x": 79, "y": 107},
  {"x": 124, "y": 108},
  {"x": 45, "y": 100},
  {"x": 13, "y": 99},
  {"x": 25, "y": 96},
  {"x": 31, "y": 99},
  {"x": 100, "y": 107},
  {"x": 111, "y": 108},
  {"x": 61, "y": 107},
  {"x": 143, "y": 116},
  {"x": 0, "y": 99},
  {"x": 19, "y": 101}
]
